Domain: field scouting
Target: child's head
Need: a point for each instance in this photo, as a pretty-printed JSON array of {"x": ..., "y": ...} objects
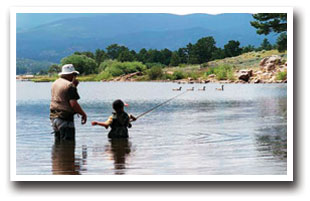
[{"x": 118, "y": 105}]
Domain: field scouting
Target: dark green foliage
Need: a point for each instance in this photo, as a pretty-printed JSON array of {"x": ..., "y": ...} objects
[
  {"x": 155, "y": 73},
  {"x": 100, "y": 56},
  {"x": 218, "y": 53},
  {"x": 125, "y": 55},
  {"x": 249, "y": 48},
  {"x": 175, "y": 59},
  {"x": 54, "y": 69},
  {"x": 141, "y": 56},
  {"x": 82, "y": 63},
  {"x": 177, "y": 75},
  {"x": 192, "y": 55},
  {"x": 183, "y": 55},
  {"x": 204, "y": 48},
  {"x": 265, "y": 45},
  {"x": 165, "y": 56},
  {"x": 232, "y": 48},
  {"x": 282, "y": 42},
  {"x": 114, "y": 50},
  {"x": 270, "y": 22}
]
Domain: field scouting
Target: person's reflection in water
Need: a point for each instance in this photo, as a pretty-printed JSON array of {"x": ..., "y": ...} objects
[
  {"x": 63, "y": 158},
  {"x": 119, "y": 149}
]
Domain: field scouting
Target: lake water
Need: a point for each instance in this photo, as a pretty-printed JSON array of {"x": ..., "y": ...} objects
[{"x": 239, "y": 131}]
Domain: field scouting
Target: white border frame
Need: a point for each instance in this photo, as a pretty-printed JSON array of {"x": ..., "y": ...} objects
[{"x": 174, "y": 10}]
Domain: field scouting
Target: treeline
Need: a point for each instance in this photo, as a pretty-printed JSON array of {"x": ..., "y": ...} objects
[{"x": 204, "y": 50}]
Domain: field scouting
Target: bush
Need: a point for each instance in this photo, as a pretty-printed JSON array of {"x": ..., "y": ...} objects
[
  {"x": 82, "y": 63},
  {"x": 105, "y": 64},
  {"x": 150, "y": 65},
  {"x": 282, "y": 75},
  {"x": 210, "y": 71},
  {"x": 167, "y": 76},
  {"x": 177, "y": 75},
  {"x": 120, "y": 68},
  {"x": 224, "y": 72},
  {"x": 103, "y": 76},
  {"x": 155, "y": 73}
]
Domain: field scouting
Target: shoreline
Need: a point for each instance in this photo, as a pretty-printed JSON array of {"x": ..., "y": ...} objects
[{"x": 170, "y": 81}]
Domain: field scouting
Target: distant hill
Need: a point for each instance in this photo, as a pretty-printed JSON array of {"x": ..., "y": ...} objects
[
  {"x": 29, "y": 66},
  {"x": 55, "y": 38}
]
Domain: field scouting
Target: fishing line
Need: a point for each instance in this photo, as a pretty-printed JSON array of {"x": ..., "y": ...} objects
[{"x": 144, "y": 113}]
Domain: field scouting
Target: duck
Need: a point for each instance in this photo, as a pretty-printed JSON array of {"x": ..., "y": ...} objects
[
  {"x": 202, "y": 89},
  {"x": 177, "y": 89},
  {"x": 191, "y": 89},
  {"x": 220, "y": 89}
]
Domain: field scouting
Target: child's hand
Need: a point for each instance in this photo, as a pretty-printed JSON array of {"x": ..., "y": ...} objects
[
  {"x": 133, "y": 118},
  {"x": 106, "y": 127},
  {"x": 93, "y": 123}
]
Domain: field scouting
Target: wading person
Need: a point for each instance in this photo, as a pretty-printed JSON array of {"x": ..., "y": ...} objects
[
  {"x": 64, "y": 104},
  {"x": 119, "y": 121}
]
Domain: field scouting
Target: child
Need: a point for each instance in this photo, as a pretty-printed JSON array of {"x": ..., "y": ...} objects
[{"x": 118, "y": 122}]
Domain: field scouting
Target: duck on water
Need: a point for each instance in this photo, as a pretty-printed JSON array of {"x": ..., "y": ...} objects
[{"x": 220, "y": 89}]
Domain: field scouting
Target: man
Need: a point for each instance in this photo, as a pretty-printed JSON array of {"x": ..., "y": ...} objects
[{"x": 64, "y": 104}]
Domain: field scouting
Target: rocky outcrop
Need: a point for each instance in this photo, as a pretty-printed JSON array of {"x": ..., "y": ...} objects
[
  {"x": 269, "y": 63},
  {"x": 245, "y": 74}
]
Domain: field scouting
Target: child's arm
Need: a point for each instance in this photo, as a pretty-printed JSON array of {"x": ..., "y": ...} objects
[
  {"x": 106, "y": 124},
  {"x": 94, "y": 123}
]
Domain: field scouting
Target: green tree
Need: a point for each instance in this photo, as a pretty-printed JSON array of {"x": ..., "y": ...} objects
[
  {"x": 165, "y": 56},
  {"x": 232, "y": 48},
  {"x": 248, "y": 48},
  {"x": 204, "y": 48},
  {"x": 265, "y": 45},
  {"x": 54, "y": 69},
  {"x": 175, "y": 59},
  {"x": 100, "y": 56},
  {"x": 182, "y": 53},
  {"x": 114, "y": 50},
  {"x": 125, "y": 55},
  {"x": 270, "y": 22},
  {"x": 82, "y": 63},
  {"x": 192, "y": 54},
  {"x": 282, "y": 42},
  {"x": 141, "y": 56},
  {"x": 218, "y": 53},
  {"x": 153, "y": 56}
]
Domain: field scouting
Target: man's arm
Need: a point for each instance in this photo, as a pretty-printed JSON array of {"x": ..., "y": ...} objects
[{"x": 77, "y": 108}]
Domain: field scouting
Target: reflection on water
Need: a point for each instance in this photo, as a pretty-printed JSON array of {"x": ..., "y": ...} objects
[
  {"x": 64, "y": 161},
  {"x": 241, "y": 130},
  {"x": 118, "y": 150}
]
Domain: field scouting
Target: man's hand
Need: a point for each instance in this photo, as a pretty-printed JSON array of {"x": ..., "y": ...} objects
[
  {"x": 77, "y": 109},
  {"x": 84, "y": 119}
]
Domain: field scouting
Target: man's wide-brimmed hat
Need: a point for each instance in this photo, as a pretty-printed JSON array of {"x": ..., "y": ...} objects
[{"x": 68, "y": 69}]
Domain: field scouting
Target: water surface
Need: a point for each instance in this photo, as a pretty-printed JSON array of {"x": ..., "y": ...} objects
[{"x": 241, "y": 130}]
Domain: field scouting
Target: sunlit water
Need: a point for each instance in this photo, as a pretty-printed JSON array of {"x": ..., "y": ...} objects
[{"x": 241, "y": 130}]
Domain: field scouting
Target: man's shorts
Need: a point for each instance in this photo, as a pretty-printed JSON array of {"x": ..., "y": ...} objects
[{"x": 64, "y": 130}]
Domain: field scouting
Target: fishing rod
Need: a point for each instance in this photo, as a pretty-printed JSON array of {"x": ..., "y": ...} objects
[{"x": 144, "y": 113}]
